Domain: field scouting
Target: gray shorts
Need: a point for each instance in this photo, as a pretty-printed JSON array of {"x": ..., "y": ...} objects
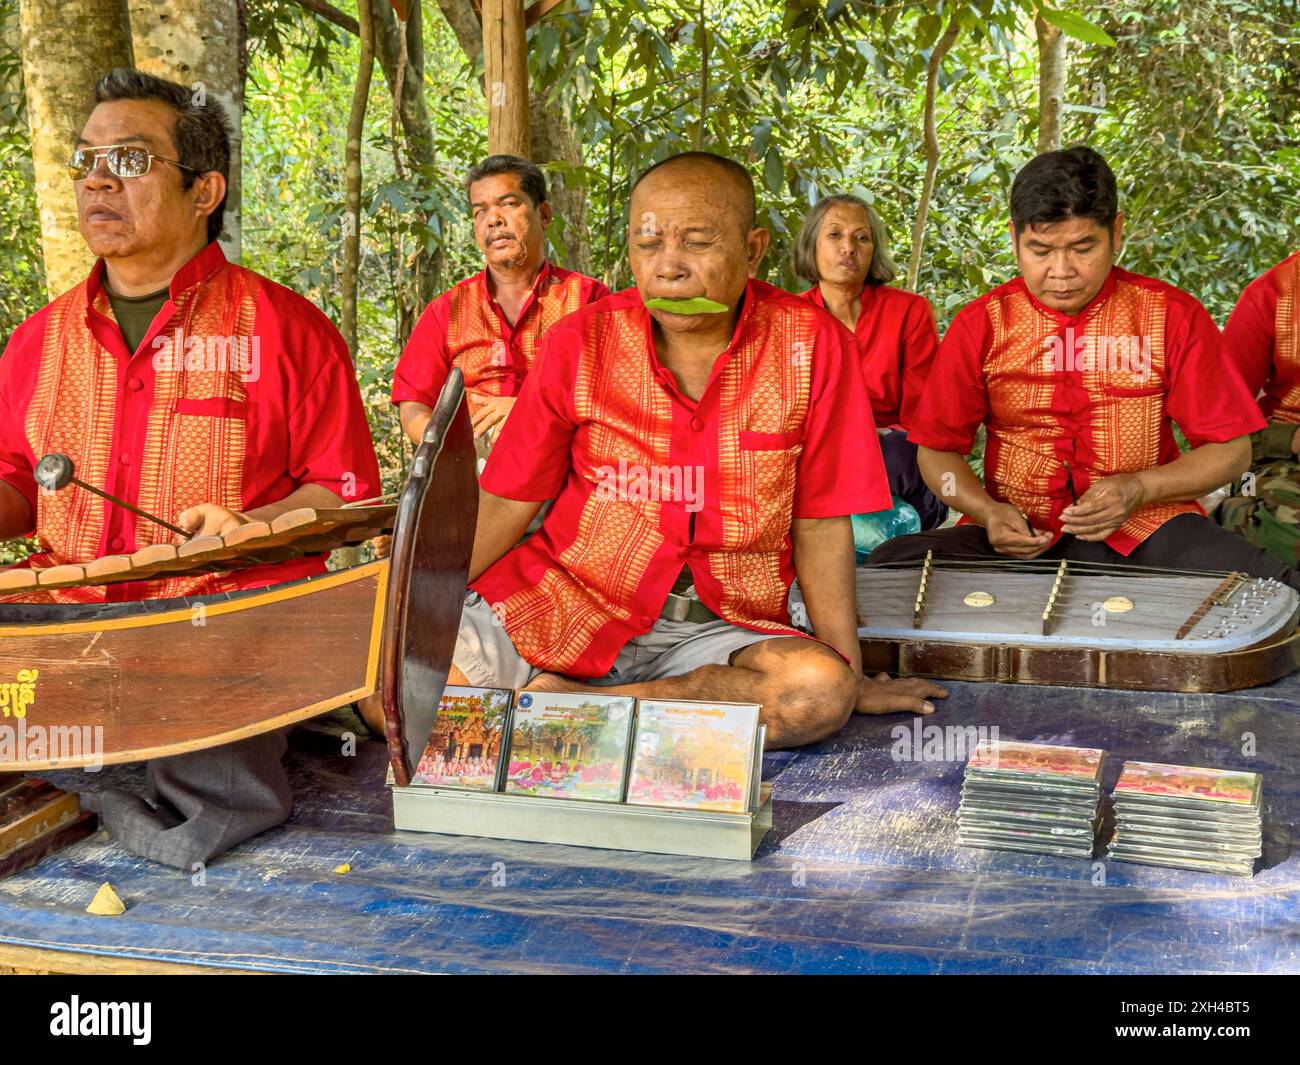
[{"x": 488, "y": 659}]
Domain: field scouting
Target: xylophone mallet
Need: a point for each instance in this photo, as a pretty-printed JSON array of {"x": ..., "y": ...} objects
[{"x": 56, "y": 471}]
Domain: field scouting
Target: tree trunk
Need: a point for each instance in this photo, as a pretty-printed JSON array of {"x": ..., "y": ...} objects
[
  {"x": 352, "y": 176},
  {"x": 464, "y": 24},
  {"x": 1051, "y": 84},
  {"x": 201, "y": 46},
  {"x": 505, "y": 78},
  {"x": 554, "y": 141},
  {"x": 66, "y": 46},
  {"x": 931, "y": 151},
  {"x": 703, "y": 30},
  {"x": 400, "y": 51},
  {"x": 403, "y": 60}
]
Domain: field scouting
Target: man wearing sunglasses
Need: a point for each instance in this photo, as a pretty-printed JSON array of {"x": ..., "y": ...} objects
[{"x": 190, "y": 388}]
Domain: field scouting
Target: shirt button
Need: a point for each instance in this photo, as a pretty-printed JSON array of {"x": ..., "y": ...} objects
[
  {"x": 647, "y": 621},
  {"x": 685, "y": 553},
  {"x": 697, "y": 424},
  {"x": 117, "y": 543},
  {"x": 125, "y": 458},
  {"x": 135, "y": 384}
]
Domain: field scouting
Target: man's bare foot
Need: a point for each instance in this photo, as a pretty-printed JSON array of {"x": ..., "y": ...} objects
[{"x": 554, "y": 682}]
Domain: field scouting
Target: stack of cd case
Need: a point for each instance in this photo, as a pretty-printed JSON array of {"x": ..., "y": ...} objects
[
  {"x": 1188, "y": 817},
  {"x": 1033, "y": 797}
]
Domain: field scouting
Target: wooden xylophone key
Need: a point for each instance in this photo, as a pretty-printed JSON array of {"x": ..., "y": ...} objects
[
  {"x": 109, "y": 569},
  {"x": 61, "y": 576},
  {"x": 16, "y": 581}
]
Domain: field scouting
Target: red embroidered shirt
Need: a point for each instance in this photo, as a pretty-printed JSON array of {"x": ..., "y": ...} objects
[
  {"x": 240, "y": 393},
  {"x": 465, "y": 327},
  {"x": 898, "y": 342},
  {"x": 1263, "y": 338},
  {"x": 646, "y": 480},
  {"x": 1100, "y": 390}
]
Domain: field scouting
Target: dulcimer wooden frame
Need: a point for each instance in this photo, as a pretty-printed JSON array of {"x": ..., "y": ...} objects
[{"x": 1009, "y": 663}]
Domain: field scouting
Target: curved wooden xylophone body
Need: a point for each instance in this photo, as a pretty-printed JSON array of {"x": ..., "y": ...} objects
[{"x": 122, "y": 682}]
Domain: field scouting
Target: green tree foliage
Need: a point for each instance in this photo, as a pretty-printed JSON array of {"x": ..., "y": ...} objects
[
  {"x": 22, "y": 275},
  {"x": 1196, "y": 106}
]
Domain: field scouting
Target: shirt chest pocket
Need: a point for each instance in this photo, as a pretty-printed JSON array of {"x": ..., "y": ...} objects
[
  {"x": 213, "y": 407},
  {"x": 763, "y": 490},
  {"x": 750, "y": 441},
  {"x": 215, "y": 428}
]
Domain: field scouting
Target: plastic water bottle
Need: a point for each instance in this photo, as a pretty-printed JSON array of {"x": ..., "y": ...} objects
[{"x": 872, "y": 530}]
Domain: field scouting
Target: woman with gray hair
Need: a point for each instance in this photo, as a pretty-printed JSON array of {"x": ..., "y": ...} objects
[{"x": 841, "y": 250}]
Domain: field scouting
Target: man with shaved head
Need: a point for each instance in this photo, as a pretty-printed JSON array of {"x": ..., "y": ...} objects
[{"x": 700, "y": 438}]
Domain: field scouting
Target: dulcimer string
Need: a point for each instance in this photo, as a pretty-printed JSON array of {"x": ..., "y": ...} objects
[
  {"x": 900, "y": 578},
  {"x": 1045, "y": 566}
]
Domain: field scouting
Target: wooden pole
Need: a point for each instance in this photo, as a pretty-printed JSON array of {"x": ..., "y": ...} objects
[
  {"x": 1051, "y": 84},
  {"x": 505, "y": 78},
  {"x": 704, "y": 80},
  {"x": 352, "y": 178}
]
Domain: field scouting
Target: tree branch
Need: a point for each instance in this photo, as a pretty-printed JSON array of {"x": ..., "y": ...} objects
[
  {"x": 330, "y": 13},
  {"x": 931, "y": 150}
]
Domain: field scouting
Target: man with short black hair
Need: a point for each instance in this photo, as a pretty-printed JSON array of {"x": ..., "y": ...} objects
[
  {"x": 1079, "y": 370},
  {"x": 489, "y": 325},
  {"x": 186, "y": 386}
]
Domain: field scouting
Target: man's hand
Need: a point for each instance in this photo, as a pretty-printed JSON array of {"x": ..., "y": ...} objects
[
  {"x": 491, "y": 412},
  {"x": 1011, "y": 534},
  {"x": 16, "y": 516},
  {"x": 883, "y": 694},
  {"x": 210, "y": 519},
  {"x": 1104, "y": 507}
]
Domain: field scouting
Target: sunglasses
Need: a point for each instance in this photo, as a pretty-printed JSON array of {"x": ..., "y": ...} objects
[{"x": 124, "y": 161}]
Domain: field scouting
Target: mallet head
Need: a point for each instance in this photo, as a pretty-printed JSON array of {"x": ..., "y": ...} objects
[{"x": 53, "y": 472}]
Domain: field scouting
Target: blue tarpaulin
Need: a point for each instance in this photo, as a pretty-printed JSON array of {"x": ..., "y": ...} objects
[{"x": 861, "y": 873}]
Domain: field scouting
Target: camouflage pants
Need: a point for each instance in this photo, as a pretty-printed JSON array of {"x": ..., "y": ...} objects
[{"x": 1265, "y": 508}]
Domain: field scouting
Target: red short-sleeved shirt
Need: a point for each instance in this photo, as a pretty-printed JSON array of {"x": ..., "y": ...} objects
[
  {"x": 466, "y": 328},
  {"x": 898, "y": 342},
  {"x": 646, "y": 480},
  {"x": 1099, "y": 391},
  {"x": 240, "y": 393},
  {"x": 1263, "y": 338}
]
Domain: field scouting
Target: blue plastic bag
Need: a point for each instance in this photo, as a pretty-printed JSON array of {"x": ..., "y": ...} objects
[{"x": 872, "y": 530}]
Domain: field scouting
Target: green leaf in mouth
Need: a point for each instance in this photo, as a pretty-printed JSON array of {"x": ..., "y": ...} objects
[{"x": 694, "y": 305}]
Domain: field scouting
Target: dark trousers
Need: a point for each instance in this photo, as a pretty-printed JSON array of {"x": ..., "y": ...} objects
[
  {"x": 1189, "y": 541},
  {"x": 905, "y": 479},
  {"x": 201, "y": 804}
]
